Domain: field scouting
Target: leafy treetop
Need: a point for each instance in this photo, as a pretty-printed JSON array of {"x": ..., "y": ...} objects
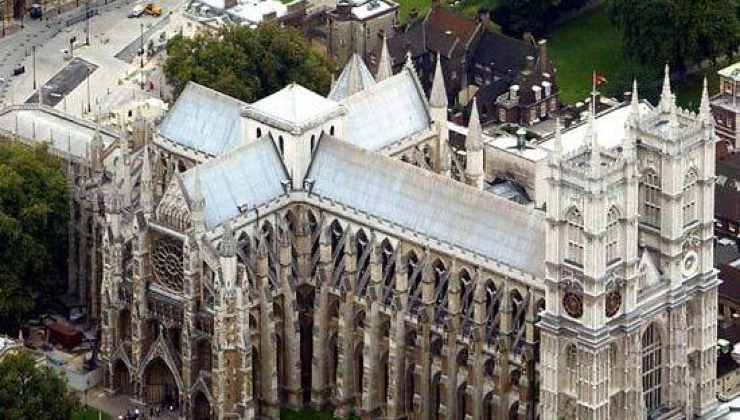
[{"x": 245, "y": 63}]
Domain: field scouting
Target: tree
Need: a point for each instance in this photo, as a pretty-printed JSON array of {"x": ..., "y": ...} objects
[
  {"x": 31, "y": 392},
  {"x": 245, "y": 63},
  {"x": 534, "y": 16},
  {"x": 34, "y": 209},
  {"x": 679, "y": 32}
]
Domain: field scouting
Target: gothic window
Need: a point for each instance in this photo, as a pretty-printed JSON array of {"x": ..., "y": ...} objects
[
  {"x": 575, "y": 237},
  {"x": 613, "y": 367},
  {"x": 337, "y": 244},
  {"x": 167, "y": 263},
  {"x": 362, "y": 254},
  {"x": 492, "y": 310},
  {"x": 612, "y": 235},
  {"x": 388, "y": 269},
  {"x": 466, "y": 294},
  {"x": 441, "y": 278},
  {"x": 689, "y": 198},
  {"x": 652, "y": 366},
  {"x": 571, "y": 367},
  {"x": 650, "y": 198}
]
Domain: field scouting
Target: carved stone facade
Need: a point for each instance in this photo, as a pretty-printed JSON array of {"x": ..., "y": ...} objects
[
  {"x": 232, "y": 293},
  {"x": 629, "y": 329}
]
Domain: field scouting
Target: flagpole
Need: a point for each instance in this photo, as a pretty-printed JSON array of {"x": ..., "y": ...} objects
[{"x": 593, "y": 94}]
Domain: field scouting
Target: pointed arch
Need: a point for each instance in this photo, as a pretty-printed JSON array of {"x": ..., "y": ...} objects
[
  {"x": 613, "y": 235},
  {"x": 650, "y": 201},
  {"x": 441, "y": 282},
  {"x": 690, "y": 196},
  {"x": 652, "y": 367},
  {"x": 575, "y": 236},
  {"x": 363, "y": 249},
  {"x": 466, "y": 293},
  {"x": 388, "y": 269}
]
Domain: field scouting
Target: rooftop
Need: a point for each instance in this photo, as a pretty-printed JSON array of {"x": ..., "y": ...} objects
[
  {"x": 255, "y": 11},
  {"x": 204, "y": 120},
  {"x": 731, "y": 72},
  {"x": 372, "y": 8},
  {"x": 294, "y": 107}
]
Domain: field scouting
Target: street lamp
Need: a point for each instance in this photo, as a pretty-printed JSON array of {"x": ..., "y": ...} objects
[
  {"x": 88, "y": 89},
  {"x": 33, "y": 51}
]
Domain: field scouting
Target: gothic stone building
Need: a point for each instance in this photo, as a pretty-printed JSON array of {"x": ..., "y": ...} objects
[{"x": 303, "y": 250}]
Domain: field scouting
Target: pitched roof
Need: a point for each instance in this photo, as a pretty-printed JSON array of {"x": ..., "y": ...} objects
[
  {"x": 505, "y": 55},
  {"x": 293, "y": 107},
  {"x": 354, "y": 78},
  {"x": 249, "y": 176},
  {"x": 442, "y": 31},
  {"x": 430, "y": 204},
  {"x": 386, "y": 112},
  {"x": 204, "y": 120},
  {"x": 447, "y": 27}
]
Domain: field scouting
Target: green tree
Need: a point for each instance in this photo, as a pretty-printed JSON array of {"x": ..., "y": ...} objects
[
  {"x": 34, "y": 209},
  {"x": 534, "y": 16},
  {"x": 31, "y": 392},
  {"x": 679, "y": 32},
  {"x": 245, "y": 63}
]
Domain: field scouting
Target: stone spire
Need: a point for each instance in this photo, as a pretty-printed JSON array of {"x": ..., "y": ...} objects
[
  {"x": 438, "y": 96},
  {"x": 474, "y": 140},
  {"x": 228, "y": 256},
  {"x": 228, "y": 242},
  {"x": 146, "y": 187},
  {"x": 197, "y": 206},
  {"x": 385, "y": 69},
  {"x": 409, "y": 61},
  {"x": 666, "y": 96},
  {"x": 474, "y": 150},
  {"x": 354, "y": 79},
  {"x": 558, "y": 152},
  {"x": 96, "y": 151},
  {"x": 595, "y": 147},
  {"x": 635, "y": 105},
  {"x": 705, "y": 110}
]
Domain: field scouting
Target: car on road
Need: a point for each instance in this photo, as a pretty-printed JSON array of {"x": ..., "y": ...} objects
[
  {"x": 153, "y": 10},
  {"x": 137, "y": 11}
]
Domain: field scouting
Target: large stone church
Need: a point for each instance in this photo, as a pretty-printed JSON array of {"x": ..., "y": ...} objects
[{"x": 339, "y": 252}]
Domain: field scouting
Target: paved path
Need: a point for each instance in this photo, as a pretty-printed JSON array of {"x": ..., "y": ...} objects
[{"x": 111, "y": 31}]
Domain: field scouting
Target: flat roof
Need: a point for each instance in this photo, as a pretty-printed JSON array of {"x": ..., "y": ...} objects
[
  {"x": 372, "y": 8},
  {"x": 731, "y": 72},
  {"x": 254, "y": 11}
]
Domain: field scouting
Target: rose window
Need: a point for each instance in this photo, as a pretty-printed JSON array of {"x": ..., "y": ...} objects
[{"x": 167, "y": 263}]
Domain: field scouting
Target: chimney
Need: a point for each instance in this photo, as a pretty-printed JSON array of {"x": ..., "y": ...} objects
[
  {"x": 542, "y": 47},
  {"x": 514, "y": 92},
  {"x": 521, "y": 138},
  {"x": 529, "y": 67}
]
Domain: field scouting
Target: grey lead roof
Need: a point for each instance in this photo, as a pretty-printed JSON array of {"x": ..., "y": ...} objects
[
  {"x": 430, "y": 204},
  {"x": 386, "y": 112},
  {"x": 354, "y": 78},
  {"x": 204, "y": 120},
  {"x": 248, "y": 176}
]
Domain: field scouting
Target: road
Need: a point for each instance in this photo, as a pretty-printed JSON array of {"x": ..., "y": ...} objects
[{"x": 111, "y": 31}]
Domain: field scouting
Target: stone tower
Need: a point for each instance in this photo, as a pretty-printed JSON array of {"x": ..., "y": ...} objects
[{"x": 629, "y": 331}]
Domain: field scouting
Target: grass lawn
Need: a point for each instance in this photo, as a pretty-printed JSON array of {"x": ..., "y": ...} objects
[
  {"x": 469, "y": 8},
  {"x": 582, "y": 45},
  {"x": 89, "y": 413}
]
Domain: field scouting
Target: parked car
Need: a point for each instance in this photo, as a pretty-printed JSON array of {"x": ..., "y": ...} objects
[
  {"x": 153, "y": 10},
  {"x": 19, "y": 69},
  {"x": 137, "y": 11}
]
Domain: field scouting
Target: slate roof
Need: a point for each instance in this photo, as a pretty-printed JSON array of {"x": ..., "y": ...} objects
[
  {"x": 727, "y": 191},
  {"x": 250, "y": 175},
  {"x": 447, "y": 29},
  {"x": 505, "y": 55},
  {"x": 430, "y": 204},
  {"x": 386, "y": 112},
  {"x": 204, "y": 120}
]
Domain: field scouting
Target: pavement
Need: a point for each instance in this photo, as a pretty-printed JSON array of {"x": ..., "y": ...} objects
[{"x": 110, "y": 32}]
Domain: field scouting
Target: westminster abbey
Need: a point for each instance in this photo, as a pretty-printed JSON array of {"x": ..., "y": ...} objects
[{"x": 346, "y": 253}]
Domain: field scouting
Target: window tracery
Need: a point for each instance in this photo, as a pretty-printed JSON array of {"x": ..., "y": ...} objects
[{"x": 167, "y": 263}]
